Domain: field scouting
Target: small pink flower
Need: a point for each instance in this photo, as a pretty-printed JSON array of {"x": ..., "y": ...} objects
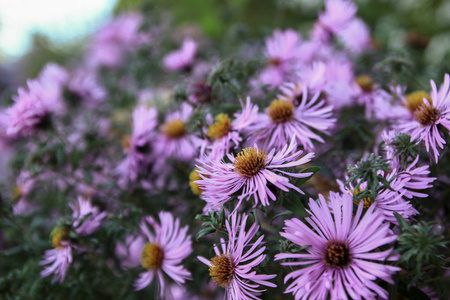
[
  {"x": 428, "y": 116},
  {"x": 232, "y": 266},
  {"x": 59, "y": 258},
  {"x": 129, "y": 253},
  {"x": 24, "y": 185},
  {"x": 84, "y": 84},
  {"x": 173, "y": 140},
  {"x": 86, "y": 217},
  {"x": 283, "y": 120},
  {"x": 337, "y": 14},
  {"x": 167, "y": 245},
  {"x": 225, "y": 132},
  {"x": 356, "y": 36},
  {"x": 113, "y": 41},
  {"x": 283, "y": 54},
  {"x": 138, "y": 146},
  {"x": 33, "y": 108},
  {"x": 54, "y": 74},
  {"x": 182, "y": 58}
]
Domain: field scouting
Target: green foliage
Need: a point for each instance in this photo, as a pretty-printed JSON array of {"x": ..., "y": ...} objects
[
  {"x": 420, "y": 246},
  {"x": 368, "y": 171},
  {"x": 213, "y": 222}
]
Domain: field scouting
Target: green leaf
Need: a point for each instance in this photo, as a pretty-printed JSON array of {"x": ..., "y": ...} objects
[
  {"x": 284, "y": 213},
  {"x": 204, "y": 232},
  {"x": 403, "y": 224},
  {"x": 295, "y": 205},
  {"x": 313, "y": 170}
]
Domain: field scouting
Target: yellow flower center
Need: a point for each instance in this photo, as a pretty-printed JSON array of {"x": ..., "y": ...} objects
[
  {"x": 152, "y": 256},
  {"x": 17, "y": 192},
  {"x": 281, "y": 111},
  {"x": 415, "y": 99},
  {"x": 426, "y": 114},
  {"x": 367, "y": 200},
  {"x": 174, "y": 129},
  {"x": 365, "y": 83},
  {"x": 222, "y": 269},
  {"x": 126, "y": 142},
  {"x": 194, "y": 176},
  {"x": 220, "y": 128},
  {"x": 250, "y": 161},
  {"x": 58, "y": 235}
]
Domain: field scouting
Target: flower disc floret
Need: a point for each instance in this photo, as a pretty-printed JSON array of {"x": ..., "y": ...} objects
[
  {"x": 222, "y": 269},
  {"x": 415, "y": 99},
  {"x": 220, "y": 127},
  {"x": 281, "y": 111},
  {"x": 174, "y": 128},
  {"x": 152, "y": 256},
  {"x": 250, "y": 161}
]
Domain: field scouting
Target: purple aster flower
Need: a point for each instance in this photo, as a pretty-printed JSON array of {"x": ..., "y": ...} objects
[
  {"x": 387, "y": 201},
  {"x": 167, "y": 245},
  {"x": 428, "y": 115},
  {"x": 32, "y": 108},
  {"x": 84, "y": 84},
  {"x": 232, "y": 266},
  {"x": 225, "y": 132},
  {"x": 340, "y": 259},
  {"x": 182, "y": 58},
  {"x": 283, "y": 120},
  {"x": 251, "y": 170},
  {"x": 59, "y": 258},
  {"x": 115, "y": 39},
  {"x": 356, "y": 36},
  {"x": 283, "y": 53},
  {"x": 173, "y": 140},
  {"x": 24, "y": 185},
  {"x": 337, "y": 14},
  {"x": 137, "y": 146},
  {"x": 129, "y": 253},
  {"x": 55, "y": 74},
  {"x": 86, "y": 217}
]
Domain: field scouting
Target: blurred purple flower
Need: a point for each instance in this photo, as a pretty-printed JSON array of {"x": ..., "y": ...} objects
[{"x": 182, "y": 58}]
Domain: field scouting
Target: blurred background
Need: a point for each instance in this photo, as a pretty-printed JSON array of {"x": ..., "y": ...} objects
[{"x": 35, "y": 32}]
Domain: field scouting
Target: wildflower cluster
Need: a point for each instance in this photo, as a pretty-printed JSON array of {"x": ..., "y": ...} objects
[{"x": 163, "y": 166}]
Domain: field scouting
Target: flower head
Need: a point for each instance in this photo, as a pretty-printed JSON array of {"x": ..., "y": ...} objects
[
  {"x": 283, "y": 120},
  {"x": 60, "y": 257},
  {"x": 225, "y": 131},
  {"x": 234, "y": 260},
  {"x": 337, "y": 14},
  {"x": 33, "y": 108},
  {"x": 137, "y": 146},
  {"x": 173, "y": 140},
  {"x": 283, "y": 53},
  {"x": 86, "y": 217},
  {"x": 182, "y": 58},
  {"x": 166, "y": 246},
  {"x": 340, "y": 259},
  {"x": 251, "y": 170},
  {"x": 428, "y": 115}
]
